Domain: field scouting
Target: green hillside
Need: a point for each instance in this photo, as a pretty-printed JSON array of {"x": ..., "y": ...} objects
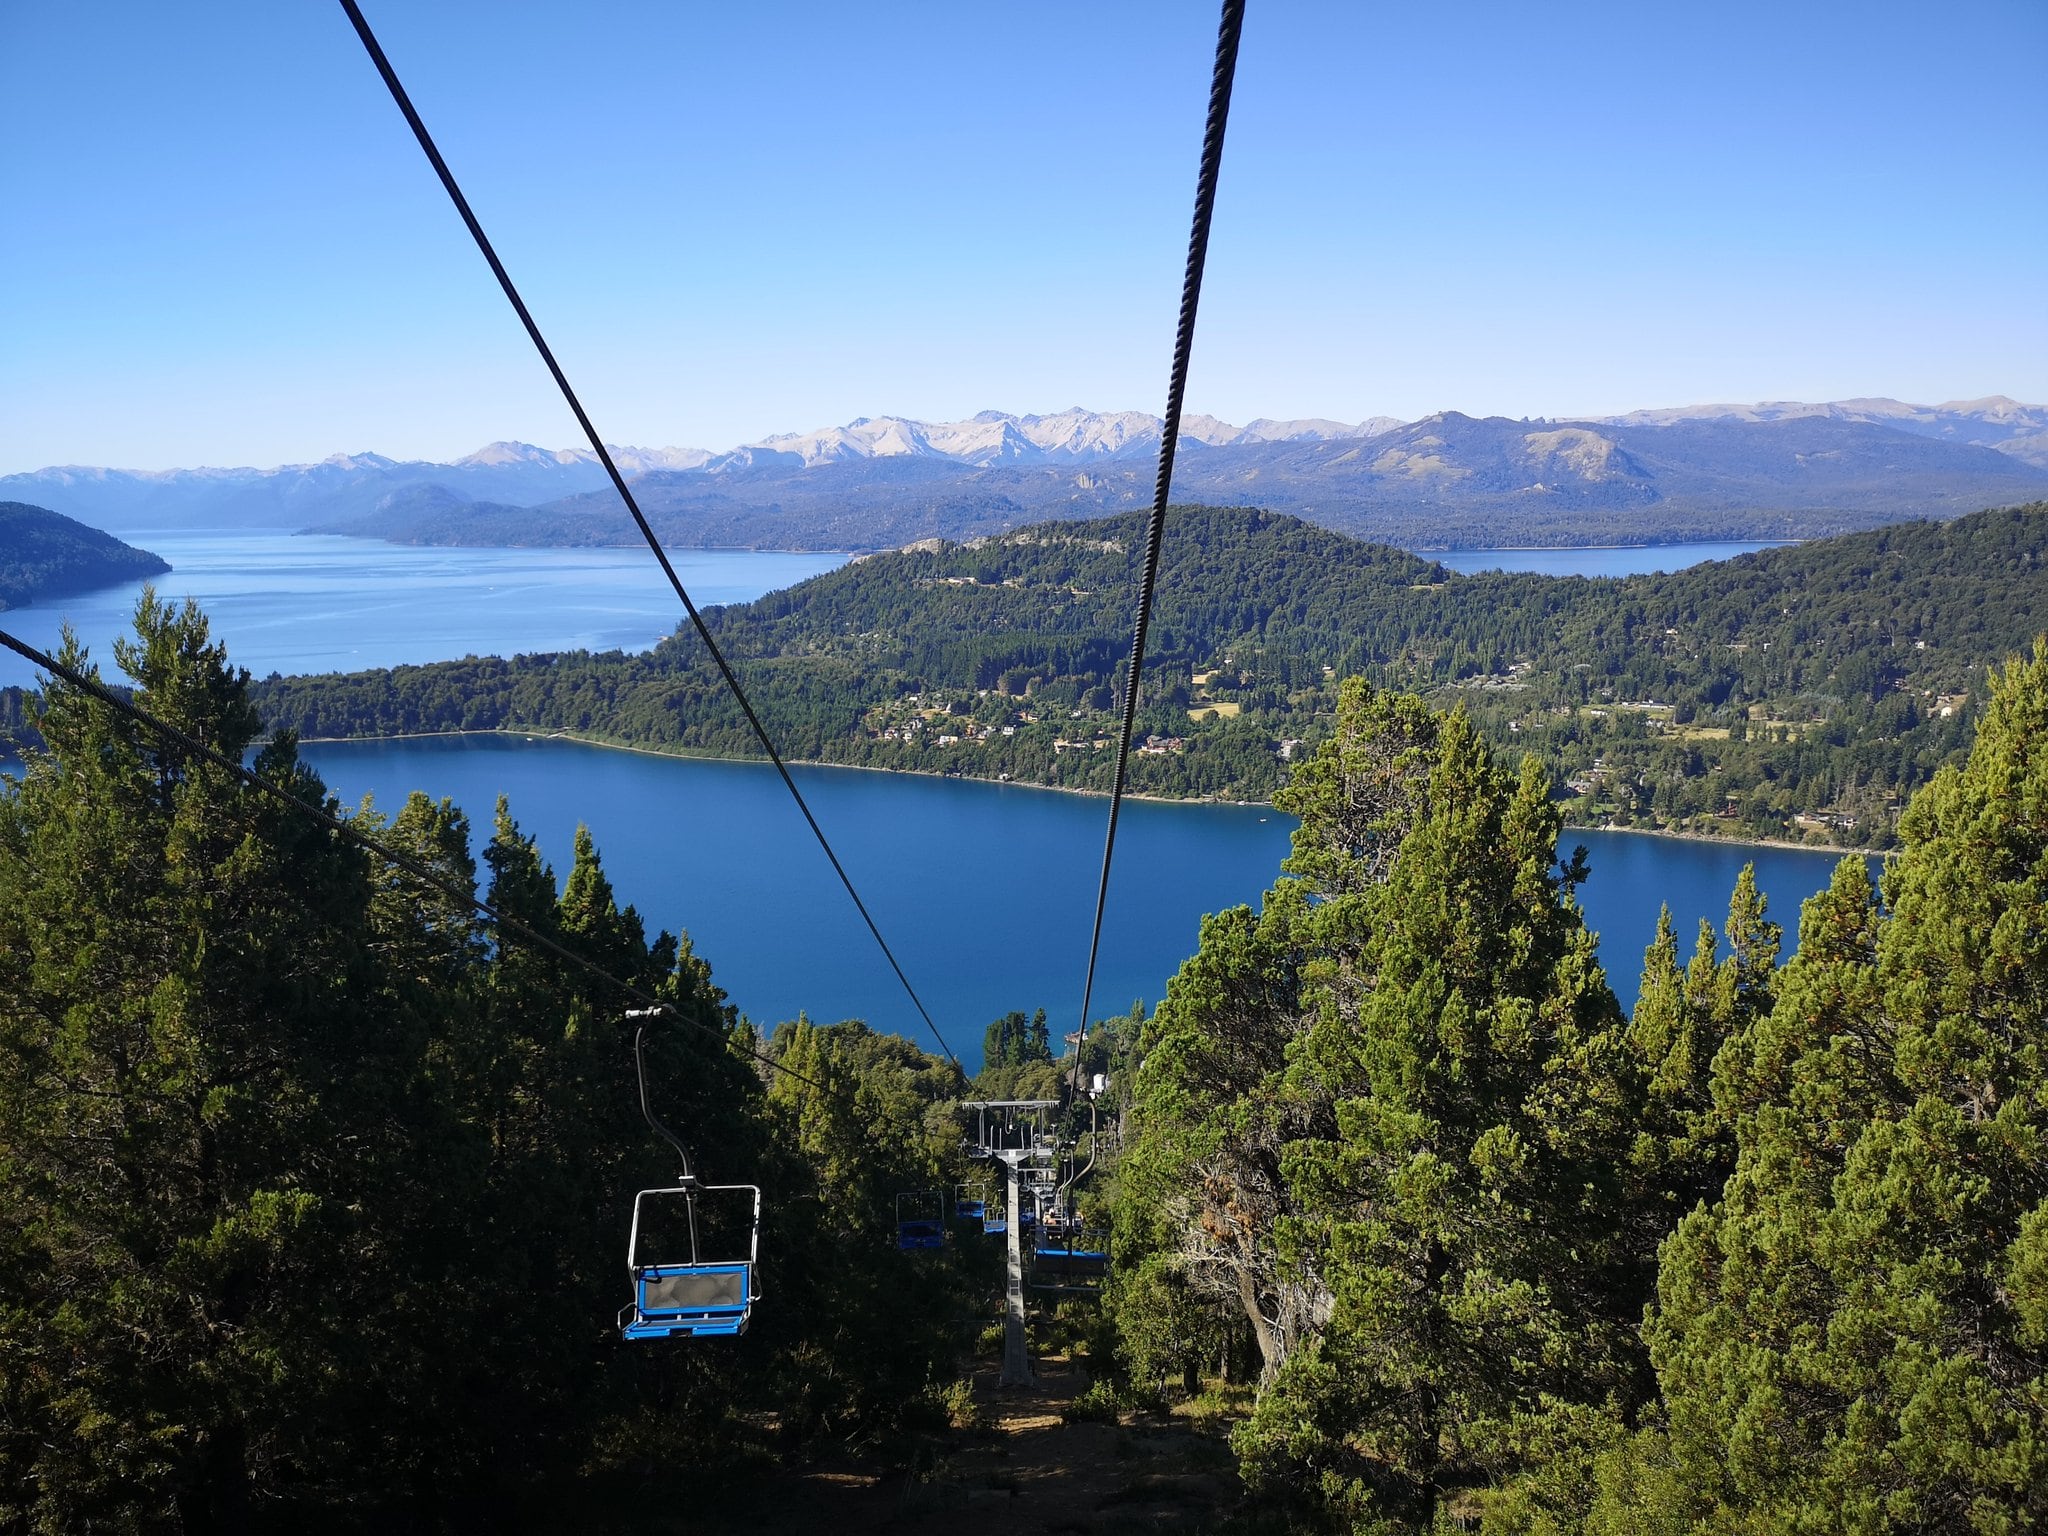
[
  {"x": 45, "y": 554},
  {"x": 317, "y": 1180},
  {"x": 1799, "y": 692}
]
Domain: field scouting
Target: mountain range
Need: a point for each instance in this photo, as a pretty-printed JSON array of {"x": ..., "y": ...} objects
[{"x": 1770, "y": 470}]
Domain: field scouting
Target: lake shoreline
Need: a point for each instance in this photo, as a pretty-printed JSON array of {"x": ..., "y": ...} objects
[
  {"x": 1779, "y": 845},
  {"x": 1563, "y": 549},
  {"x": 793, "y": 762}
]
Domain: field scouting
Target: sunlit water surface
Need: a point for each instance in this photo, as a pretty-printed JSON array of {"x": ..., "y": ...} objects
[
  {"x": 322, "y": 603},
  {"x": 986, "y": 891}
]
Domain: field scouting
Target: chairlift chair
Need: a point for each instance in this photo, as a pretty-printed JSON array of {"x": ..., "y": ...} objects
[
  {"x": 970, "y": 1204},
  {"x": 699, "y": 1296},
  {"x": 1070, "y": 1260},
  {"x": 920, "y": 1220}
]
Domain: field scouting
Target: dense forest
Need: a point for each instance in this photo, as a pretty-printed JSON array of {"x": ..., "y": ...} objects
[
  {"x": 313, "y": 1180},
  {"x": 314, "y": 1187},
  {"x": 1800, "y": 692},
  {"x": 1771, "y": 1255},
  {"x": 44, "y": 554}
]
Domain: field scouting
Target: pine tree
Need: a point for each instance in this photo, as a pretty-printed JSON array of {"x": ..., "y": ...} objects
[
  {"x": 1682, "y": 1020},
  {"x": 1851, "y": 1339},
  {"x": 189, "y": 1042},
  {"x": 1462, "y": 1215},
  {"x": 1200, "y": 1191}
]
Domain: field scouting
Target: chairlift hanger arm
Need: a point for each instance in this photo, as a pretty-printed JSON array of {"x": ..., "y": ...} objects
[{"x": 646, "y": 1104}]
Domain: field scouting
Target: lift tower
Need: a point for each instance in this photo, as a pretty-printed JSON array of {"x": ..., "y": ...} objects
[{"x": 1014, "y": 1132}]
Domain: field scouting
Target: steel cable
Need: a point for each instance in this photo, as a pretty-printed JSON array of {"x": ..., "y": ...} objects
[
  {"x": 597, "y": 445},
  {"x": 1227, "y": 34}
]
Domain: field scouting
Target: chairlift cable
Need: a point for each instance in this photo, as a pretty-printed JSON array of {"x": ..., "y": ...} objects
[
  {"x": 1228, "y": 31},
  {"x": 732, "y": 682},
  {"x": 421, "y": 872}
]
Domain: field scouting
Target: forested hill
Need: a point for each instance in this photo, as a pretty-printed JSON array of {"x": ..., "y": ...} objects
[
  {"x": 45, "y": 554},
  {"x": 1799, "y": 691}
]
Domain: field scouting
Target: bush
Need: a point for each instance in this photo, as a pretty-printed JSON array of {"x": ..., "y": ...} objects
[
  {"x": 964, "y": 1411},
  {"x": 1096, "y": 1405}
]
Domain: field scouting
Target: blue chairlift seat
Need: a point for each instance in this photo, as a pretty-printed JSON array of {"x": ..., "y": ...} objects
[
  {"x": 1070, "y": 1261},
  {"x": 920, "y": 1220},
  {"x": 969, "y": 1208},
  {"x": 679, "y": 1301},
  {"x": 696, "y": 1298},
  {"x": 994, "y": 1226}
]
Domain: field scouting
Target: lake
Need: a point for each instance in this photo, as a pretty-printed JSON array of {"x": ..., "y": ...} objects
[
  {"x": 985, "y": 891},
  {"x": 322, "y": 603},
  {"x": 1618, "y": 560}
]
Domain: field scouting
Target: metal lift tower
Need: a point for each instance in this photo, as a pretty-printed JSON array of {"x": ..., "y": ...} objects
[{"x": 1016, "y": 1132}]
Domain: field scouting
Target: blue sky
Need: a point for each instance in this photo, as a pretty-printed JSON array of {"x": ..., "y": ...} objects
[{"x": 222, "y": 246}]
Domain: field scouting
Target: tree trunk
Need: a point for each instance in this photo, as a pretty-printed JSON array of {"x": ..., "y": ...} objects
[
  {"x": 1270, "y": 1351},
  {"x": 217, "y": 1503}
]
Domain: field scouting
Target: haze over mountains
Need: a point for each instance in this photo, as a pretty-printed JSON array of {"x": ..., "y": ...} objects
[{"x": 1777, "y": 469}]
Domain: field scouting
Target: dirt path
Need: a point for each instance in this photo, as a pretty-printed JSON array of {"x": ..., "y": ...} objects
[{"x": 1030, "y": 1472}]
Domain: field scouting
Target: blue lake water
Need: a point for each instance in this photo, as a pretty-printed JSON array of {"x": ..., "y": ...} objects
[
  {"x": 321, "y": 603},
  {"x": 1621, "y": 560},
  {"x": 986, "y": 891}
]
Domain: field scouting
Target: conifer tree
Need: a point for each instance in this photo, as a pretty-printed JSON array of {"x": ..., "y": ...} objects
[
  {"x": 1681, "y": 1022},
  {"x": 1200, "y": 1192},
  {"x": 1461, "y": 1215},
  {"x": 188, "y": 1045},
  {"x": 1851, "y": 1339}
]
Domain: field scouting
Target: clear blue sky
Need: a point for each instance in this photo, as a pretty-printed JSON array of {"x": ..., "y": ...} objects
[{"x": 221, "y": 246}]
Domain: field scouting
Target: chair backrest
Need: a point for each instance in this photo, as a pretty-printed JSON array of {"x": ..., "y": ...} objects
[{"x": 675, "y": 1289}]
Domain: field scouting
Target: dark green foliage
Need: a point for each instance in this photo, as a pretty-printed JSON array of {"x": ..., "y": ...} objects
[
  {"x": 1388, "y": 1117},
  {"x": 314, "y": 1188},
  {"x": 1850, "y": 1338},
  {"x": 1682, "y": 1020},
  {"x": 45, "y": 554},
  {"x": 1827, "y": 679},
  {"x": 1016, "y": 1041},
  {"x": 1017, "y": 1060},
  {"x": 1392, "y": 1124},
  {"x": 1458, "y": 1211}
]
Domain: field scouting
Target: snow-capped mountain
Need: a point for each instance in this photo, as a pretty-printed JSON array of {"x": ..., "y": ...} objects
[
  {"x": 996, "y": 437},
  {"x": 1995, "y": 421},
  {"x": 632, "y": 461},
  {"x": 1727, "y": 467}
]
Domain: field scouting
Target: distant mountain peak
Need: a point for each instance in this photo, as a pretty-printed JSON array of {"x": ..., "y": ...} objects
[
  {"x": 1994, "y": 421},
  {"x": 511, "y": 451},
  {"x": 876, "y": 475}
]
